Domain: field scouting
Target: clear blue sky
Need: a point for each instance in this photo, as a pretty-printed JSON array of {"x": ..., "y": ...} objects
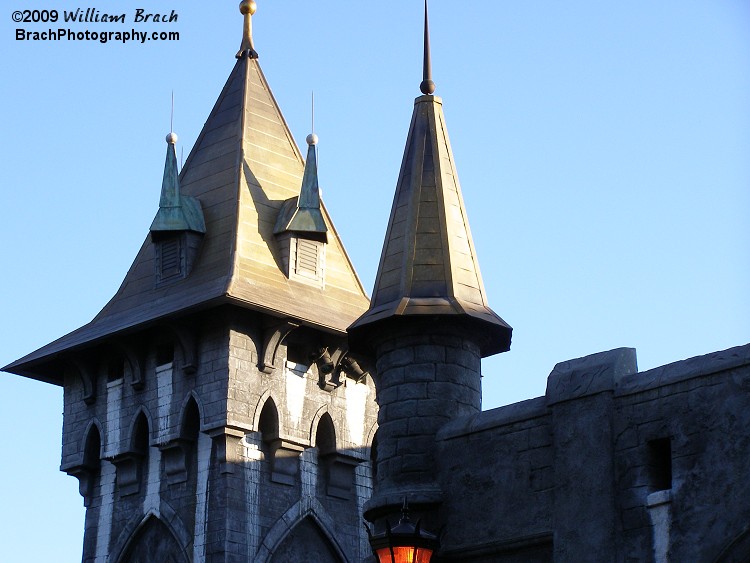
[{"x": 603, "y": 152}]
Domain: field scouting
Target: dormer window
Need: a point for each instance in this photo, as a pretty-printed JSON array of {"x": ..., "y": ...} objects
[
  {"x": 179, "y": 225},
  {"x": 300, "y": 228}
]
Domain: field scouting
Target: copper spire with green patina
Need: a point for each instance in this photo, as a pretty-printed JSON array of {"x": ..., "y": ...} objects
[
  {"x": 428, "y": 266},
  {"x": 177, "y": 212},
  {"x": 302, "y": 214}
]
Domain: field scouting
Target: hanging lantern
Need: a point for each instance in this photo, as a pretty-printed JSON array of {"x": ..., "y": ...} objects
[{"x": 405, "y": 543}]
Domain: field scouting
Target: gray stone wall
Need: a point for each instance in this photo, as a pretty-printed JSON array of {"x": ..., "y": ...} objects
[
  {"x": 496, "y": 469},
  {"x": 202, "y": 471},
  {"x": 610, "y": 465},
  {"x": 702, "y": 407}
]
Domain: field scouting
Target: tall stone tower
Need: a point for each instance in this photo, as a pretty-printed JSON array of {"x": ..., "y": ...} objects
[
  {"x": 429, "y": 323},
  {"x": 213, "y": 411}
]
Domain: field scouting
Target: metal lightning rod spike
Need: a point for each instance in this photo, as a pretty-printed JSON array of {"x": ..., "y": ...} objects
[
  {"x": 427, "y": 86},
  {"x": 171, "y": 136},
  {"x": 313, "y": 137},
  {"x": 171, "y": 115}
]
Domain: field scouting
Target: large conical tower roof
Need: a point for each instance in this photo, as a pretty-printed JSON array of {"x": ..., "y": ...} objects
[
  {"x": 242, "y": 168},
  {"x": 428, "y": 266}
]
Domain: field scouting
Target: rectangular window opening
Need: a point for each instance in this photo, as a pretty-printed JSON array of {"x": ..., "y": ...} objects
[{"x": 660, "y": 464}]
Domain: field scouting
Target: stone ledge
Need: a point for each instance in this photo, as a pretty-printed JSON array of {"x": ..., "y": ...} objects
[
  {"x": 682, "y": 370},
  {"x": 498, "y": 547},
  {"x": 659, "y": 498},
  {"x": 494, "y": 418}
]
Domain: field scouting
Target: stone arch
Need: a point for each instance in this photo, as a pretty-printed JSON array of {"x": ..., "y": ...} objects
[
  {"x": 134, "y": 458},
  {"x": 325, "y": 435},
  {"x": 180, "y": 455},
  {"x": 186, "y": 413},
  {"x": 159, "y": 535},
  {"x": 738, "y": 551},
  {"x": 93, "y": 426},
  {"x": 325, "y": 444},
  {"x": 262, "y": 401},
  {"x": 309, "y": 513},
  {"x": 267, "y": 420},
  {"x": 314, "y": 424},
  {"x": 268, "y": 425},
  {"x": 136, "y": 423},
  {"x": 88, "y": 467}
]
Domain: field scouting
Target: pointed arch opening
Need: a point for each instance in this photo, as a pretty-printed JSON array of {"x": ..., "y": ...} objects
[
  {"x": 191, "y": 421},
  {"x": 131, "y": 464},
  {"x": 282, "y": 457},
  {"x": 325, "y": 442},
  {"x": 153, "y": 541},
  {"x": 180, "y": 455},
  {"x": 268, "y": 426},
  {"x": 139, "y": 439},
  {"x": 306, "y": 542},
  {"x": 89, "y": 470},
  {"x": 335, "y": 471},
  {"x": 325, "y": 435}
]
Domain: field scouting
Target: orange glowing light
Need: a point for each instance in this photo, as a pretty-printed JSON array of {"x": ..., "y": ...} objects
[{"x": 404, "y": 554}]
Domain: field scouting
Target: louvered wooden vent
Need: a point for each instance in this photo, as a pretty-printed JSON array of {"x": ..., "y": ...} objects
[
  {"x": 168, "y": 260},
  {"x": 308, "y": 260}
]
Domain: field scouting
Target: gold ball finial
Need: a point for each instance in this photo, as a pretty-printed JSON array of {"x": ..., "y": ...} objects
[{"x": 248, "y": 7}]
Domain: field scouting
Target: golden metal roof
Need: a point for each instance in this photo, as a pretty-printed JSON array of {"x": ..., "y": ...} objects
[
  {"x": 428, "y": 265},
  {"x": 243, "y": 167}
]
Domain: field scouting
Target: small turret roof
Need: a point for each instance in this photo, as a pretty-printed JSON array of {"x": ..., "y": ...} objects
[
  {"x": 176, "y": 212},
  {"x": 428, "y": 265},
  {"x": 302, "y": 214}
]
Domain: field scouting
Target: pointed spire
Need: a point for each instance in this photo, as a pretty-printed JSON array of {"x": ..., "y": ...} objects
[
  {"x": 247, "y": 9},
  {"x": 428, "y": 265},
  {"x": 176, "y": 213},
  {"x": 170, "y": 184},
  {"x": 302, "y": 214},
  {"x": 427, "y": 86}
]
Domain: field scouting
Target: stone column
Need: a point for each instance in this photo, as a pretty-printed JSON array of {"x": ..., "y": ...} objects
[{"x": 580, "y": 396}]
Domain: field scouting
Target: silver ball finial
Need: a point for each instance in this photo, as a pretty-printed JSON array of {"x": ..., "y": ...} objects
[
  {"x": 312, "y": 139},
  {"x": 172, "y": 138}
]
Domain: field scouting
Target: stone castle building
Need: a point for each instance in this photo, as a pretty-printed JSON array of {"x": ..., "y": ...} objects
[{"x": 241, "y": 398}]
